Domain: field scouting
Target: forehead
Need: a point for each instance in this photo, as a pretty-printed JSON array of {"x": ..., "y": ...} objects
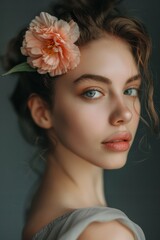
[{"x": 109, "y": 57}]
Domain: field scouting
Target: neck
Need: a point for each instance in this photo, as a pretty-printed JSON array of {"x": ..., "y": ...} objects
[{"x": 73, "y": 182}]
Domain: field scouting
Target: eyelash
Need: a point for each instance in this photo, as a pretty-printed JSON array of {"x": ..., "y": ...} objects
[
  {"x": 100, "y": 93},
  {"x": 92, "y": 90},
  {"x": 135, "y": 89}
]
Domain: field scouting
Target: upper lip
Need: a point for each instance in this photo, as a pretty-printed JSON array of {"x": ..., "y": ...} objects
[{"x": 121, "y": 136}]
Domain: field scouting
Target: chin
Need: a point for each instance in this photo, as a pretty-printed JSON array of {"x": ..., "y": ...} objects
[{"x": 115, "y": 163}]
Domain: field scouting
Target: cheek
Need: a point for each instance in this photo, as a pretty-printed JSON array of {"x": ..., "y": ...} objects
[
  {"x": 136, "y": 115},
  {"x": 77, "y": 122},
  {"x": 137, "y": 110}
]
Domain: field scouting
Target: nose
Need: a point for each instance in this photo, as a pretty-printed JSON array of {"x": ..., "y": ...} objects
[{"x": 120, "y": 115}]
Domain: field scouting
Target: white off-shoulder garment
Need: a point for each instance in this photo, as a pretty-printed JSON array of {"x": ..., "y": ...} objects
[{"x": 72, "y": 224}]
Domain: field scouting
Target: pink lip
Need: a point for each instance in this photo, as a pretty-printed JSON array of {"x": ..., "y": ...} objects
[{"x": 118, "y": 142}]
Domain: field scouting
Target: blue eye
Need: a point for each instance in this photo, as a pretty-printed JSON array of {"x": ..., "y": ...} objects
[
  {"x": 131, "y": 92},
  {"x": 92, "y": 94}
]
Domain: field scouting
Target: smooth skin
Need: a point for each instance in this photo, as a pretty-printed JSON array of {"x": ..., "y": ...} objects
[
  {"x": 113, "y": 230},
  {"x": 92, "y": 103}
]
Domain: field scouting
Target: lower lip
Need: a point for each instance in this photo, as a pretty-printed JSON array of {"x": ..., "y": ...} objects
[{"x": 117, "y": 146}]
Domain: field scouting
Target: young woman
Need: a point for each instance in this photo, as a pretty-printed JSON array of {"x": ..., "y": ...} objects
[{"x": 80, "y": 93}]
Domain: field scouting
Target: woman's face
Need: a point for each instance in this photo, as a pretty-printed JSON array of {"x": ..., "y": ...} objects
[{"x": 96, "y": 106}]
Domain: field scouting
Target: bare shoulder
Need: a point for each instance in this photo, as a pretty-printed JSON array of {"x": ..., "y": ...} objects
[{"x": 106, "y": 231}]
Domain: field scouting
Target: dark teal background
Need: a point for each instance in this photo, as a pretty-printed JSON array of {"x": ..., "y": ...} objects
[{"x": 135, "y": 189}]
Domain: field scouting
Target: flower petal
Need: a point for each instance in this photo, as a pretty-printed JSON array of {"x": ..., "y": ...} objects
[
  {"x": 49, "y": 45},
  {"x": 74, "y": 31}
]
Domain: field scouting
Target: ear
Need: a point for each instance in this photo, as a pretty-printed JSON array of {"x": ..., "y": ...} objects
[{"x": 40, "y": 111}]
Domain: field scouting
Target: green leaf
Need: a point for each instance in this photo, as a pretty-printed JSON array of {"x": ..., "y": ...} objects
[{"x": 22, "y": 67}]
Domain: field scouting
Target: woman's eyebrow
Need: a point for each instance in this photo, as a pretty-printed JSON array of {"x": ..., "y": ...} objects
[
  {"x": 103, "y": 79},
  {"x": 93, "y": 77},
  {"x": 136, "y": 77}
]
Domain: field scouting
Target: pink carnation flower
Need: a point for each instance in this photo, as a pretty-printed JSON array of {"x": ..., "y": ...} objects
[{"x": 49, "y": 45}]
